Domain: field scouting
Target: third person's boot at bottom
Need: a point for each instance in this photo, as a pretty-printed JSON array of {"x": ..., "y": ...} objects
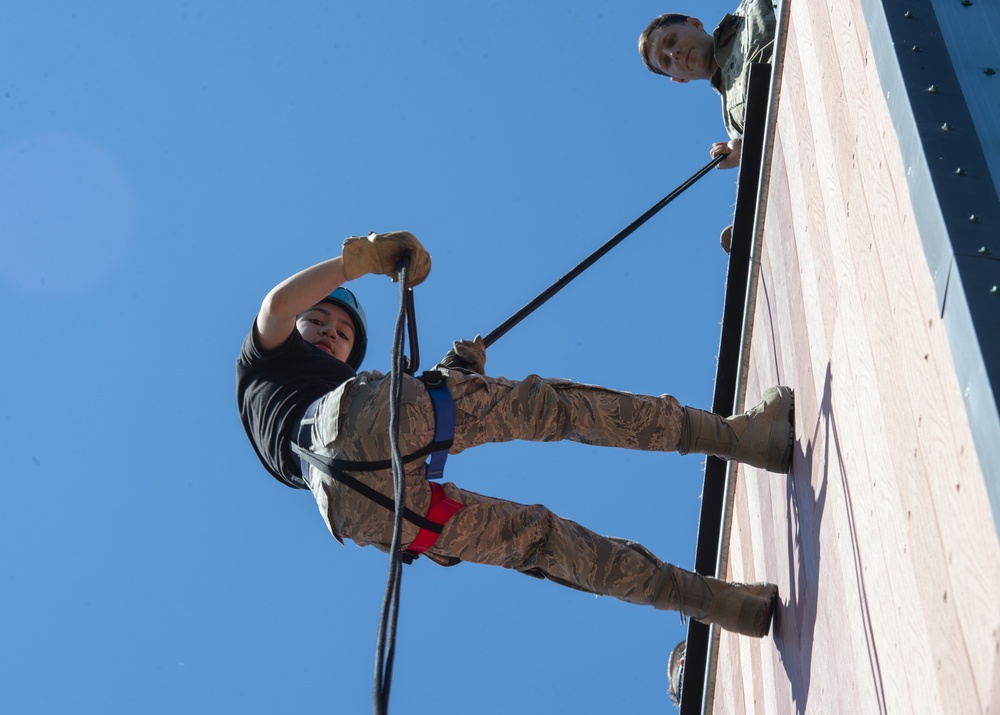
[
  {"x": 746, "y": 609},
  {"x": 761, "y": 437}
]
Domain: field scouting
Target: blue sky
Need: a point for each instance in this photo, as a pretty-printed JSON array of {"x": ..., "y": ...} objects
[{"x": 162, "y": 165}]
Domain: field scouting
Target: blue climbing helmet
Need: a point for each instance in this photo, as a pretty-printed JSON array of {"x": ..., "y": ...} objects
[{"x": 346, "y": 300}]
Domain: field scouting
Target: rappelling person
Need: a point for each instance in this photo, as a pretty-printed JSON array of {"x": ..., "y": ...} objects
[{"x": 317, "y": 423}]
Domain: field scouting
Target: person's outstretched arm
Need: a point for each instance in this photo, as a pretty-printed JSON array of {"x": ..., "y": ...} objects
[
  {"x": 295, "y": 295},
  {"x": 376, "y": 253}
]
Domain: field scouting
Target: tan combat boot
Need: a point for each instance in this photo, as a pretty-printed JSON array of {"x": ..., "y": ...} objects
[
  {"x": 746, "y": 609},
  {"x": 762, "y": 437}
]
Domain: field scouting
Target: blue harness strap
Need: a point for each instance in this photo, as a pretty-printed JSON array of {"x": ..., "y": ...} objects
[{"x": 444, "y": 421}]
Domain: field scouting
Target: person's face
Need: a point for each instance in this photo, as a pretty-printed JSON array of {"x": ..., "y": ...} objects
[
  {"x": 328, "y": 327},
  {"x": 684, "y": 51}
]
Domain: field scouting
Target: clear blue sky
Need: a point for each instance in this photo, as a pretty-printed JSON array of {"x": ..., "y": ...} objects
[{"x": 162, "y": 165}]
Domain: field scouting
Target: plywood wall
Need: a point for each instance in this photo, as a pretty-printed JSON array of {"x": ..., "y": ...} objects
[{"x": 881, "y": 540}]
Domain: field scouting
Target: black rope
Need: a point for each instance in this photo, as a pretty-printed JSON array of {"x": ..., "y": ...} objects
[
  {"x": 413, "y": 362},
  {"x": 530, "y": 308},
  {"x": 386, "y": 647}
]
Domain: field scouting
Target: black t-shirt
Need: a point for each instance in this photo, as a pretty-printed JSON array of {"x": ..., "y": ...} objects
[{"x": 273, "y": 390}]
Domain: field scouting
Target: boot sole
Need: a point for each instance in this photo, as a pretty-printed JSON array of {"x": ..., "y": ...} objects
[
  {"x": 783, "y": 430},
  {"x": 763, "y": 626}
]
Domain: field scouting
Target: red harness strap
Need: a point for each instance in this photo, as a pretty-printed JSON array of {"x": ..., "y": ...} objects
[{"x": 441, "y": 509}]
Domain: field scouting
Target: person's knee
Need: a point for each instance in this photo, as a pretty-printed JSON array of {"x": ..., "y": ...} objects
[
  {"x": 546, "y": 410},
  {"x": 531, "y": 529}
]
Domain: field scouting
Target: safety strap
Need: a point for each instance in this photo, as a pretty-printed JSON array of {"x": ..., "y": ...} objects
[
  {"x": 323, "y": 464},
  {"x": 444, "y": 421},
  {"x": 441, "y": 508}
]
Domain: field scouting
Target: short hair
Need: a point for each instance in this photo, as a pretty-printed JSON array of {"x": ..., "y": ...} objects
[{"x": 668, "y": 18}]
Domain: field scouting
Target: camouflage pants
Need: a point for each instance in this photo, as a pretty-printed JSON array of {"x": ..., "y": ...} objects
[{"x": 352, "y": 423}]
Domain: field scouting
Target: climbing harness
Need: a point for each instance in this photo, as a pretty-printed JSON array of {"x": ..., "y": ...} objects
[{"x": 441, "y": 508}]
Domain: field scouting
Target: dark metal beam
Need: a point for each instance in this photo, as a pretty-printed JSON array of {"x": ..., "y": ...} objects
[{"x": 727, "y": 374}]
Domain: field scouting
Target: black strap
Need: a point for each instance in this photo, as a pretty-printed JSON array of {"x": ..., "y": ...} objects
[
  {"x": 376, "y": 465},
  {"x": 327, "y": 465}
]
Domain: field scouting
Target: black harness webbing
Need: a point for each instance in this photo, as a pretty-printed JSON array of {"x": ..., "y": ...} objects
[
  {"x": 326, "y": 465},
  {"x": 375, "y": 465}
]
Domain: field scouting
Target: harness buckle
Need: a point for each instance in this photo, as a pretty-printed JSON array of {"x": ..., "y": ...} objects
[{"x": 432, "y": 378}]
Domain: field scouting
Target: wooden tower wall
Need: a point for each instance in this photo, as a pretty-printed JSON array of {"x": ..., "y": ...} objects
[{"x": 882, "y": 539}]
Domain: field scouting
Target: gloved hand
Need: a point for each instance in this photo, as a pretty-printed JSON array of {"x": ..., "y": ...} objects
[
  {"x": 381, "y": 253},
  {"x": 467, "y": 355}
]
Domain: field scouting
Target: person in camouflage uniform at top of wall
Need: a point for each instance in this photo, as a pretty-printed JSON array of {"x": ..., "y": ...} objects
[
  {"x": 677, "y": 46},
  {"x": 297, "y": 380}
]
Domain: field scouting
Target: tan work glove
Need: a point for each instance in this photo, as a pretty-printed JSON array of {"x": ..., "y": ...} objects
[
  {"x": 381, "y": 253},
  {"x": 466, "y": 355}
]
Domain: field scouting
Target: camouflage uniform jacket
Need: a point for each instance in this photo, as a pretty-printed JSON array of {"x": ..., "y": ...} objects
[{"x": 745, "y": 37}]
